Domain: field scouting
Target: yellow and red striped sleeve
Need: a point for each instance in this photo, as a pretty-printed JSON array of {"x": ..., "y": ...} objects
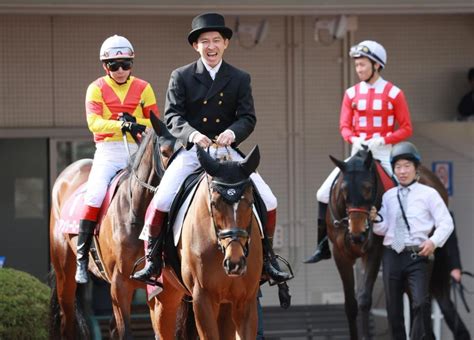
[{"x": 95, "y": 113}]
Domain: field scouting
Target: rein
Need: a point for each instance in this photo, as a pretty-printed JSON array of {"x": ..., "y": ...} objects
[{"x": 133, "y": 172}]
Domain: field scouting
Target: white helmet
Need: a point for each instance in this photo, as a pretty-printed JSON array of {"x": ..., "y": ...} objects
[
  {"x": 116, "y": 47},
  {"x": 370, "y": 49}
]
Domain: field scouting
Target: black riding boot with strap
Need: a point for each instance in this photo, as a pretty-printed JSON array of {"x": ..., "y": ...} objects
[
  {"x": 154, "y": 262},
  {"x": 270, "y": 263},
  {"x": 322, "y": 252},
  {"x": 84, "y": 240}
]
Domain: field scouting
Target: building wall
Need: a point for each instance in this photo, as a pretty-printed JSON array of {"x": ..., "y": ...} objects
[{"x": 298, "y": 83}]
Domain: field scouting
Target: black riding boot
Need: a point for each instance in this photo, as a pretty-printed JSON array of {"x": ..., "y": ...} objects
[
  {"x": 154, "y": 262},
  {"x": 322, "y": 252},
  {"x": 84, "y": 240},
  {"x": 270, "y": 263}
]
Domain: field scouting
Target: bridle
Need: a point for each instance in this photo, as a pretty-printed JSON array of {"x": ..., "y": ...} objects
[
  {"x": 230, "y": 197},
  {"x": 344, "y": 222}
]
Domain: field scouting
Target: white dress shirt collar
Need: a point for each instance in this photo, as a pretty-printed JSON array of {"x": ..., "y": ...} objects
[{"x": 212, "y": 70}]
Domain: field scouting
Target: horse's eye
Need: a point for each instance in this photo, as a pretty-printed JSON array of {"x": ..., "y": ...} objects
[{"x": 366, "y": 190}]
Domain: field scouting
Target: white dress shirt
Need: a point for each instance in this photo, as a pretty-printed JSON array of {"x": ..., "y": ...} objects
[
  {"x": 212, "y": 70},
  {"x": 425, "y": 210}
]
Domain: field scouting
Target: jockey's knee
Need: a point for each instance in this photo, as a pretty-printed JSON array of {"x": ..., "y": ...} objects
[
  {"x": 161, "y": 203},
  {"x": 270, "y": 202},
  {"x": 322, "y": 196}
]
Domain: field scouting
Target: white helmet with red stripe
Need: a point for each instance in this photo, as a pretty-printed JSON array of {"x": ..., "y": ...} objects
[
  {"x": 116, "y": 47},
  {"x": 370, "y": 49}
]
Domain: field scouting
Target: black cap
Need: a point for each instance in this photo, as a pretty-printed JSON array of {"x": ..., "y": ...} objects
[{"x": 208, "y": 22}]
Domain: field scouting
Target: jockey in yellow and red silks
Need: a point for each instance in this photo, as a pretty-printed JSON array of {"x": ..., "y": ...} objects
[{"x": 115, "y": 102}]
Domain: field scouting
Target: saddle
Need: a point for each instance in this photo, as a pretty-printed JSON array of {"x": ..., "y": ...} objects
[
  {"x": 387, "y": 180},
  {"x": 73, "y": 207}
]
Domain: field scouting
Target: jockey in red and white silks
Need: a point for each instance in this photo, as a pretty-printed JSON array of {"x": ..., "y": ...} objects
[
  {"x": 370, "y": 111},
  {"x": 368, "y": 116}
]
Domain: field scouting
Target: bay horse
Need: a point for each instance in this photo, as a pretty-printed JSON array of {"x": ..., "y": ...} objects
[
  {"x": 117, "y": 240},
  {"x": 357, "y": 188},
  {"x": 220, "y": 250}
]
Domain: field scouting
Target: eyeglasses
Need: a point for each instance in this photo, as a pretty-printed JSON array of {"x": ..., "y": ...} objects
[{"x": 115, "y": 65}]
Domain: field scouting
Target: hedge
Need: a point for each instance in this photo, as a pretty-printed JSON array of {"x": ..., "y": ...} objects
[{"x": 24, "y": 306}]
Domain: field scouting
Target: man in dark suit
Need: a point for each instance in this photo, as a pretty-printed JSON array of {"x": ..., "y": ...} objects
[
  {"x": 209, "y": 103},
  {"x": 447, "y": 267}
]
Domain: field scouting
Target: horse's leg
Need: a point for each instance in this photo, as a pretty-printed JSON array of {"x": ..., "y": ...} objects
[
  {"x": 63, "y": 260},
  {"x": 205, "y": 313},
  {"x": 345, "y": 268},
  {"x": 245, "y": 319},
  {"x": 371, "y": 263},
  {"x": 226, "y": 324},
  {"x": 163, "y": 311},
  {"x": 121, "y": 291}
]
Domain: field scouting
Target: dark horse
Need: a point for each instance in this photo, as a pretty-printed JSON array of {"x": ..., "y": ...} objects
[
  {"x": 221, "y": 256},
  {"x": 118, "y": 238},
  {"x": 354, "y": 192}
]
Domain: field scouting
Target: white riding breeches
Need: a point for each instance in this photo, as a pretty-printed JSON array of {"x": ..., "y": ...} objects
[
  {"x": 382, "y": 153},
  {"x": 109, "y": 158},
  {"x": 185, "y": 163}
]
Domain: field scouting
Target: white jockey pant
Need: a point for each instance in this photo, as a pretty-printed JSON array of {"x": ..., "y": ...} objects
[
  {"x": 109, "y": 158},
  {"x": 382, "y": 153},
  {"x": 185, "y": 163}
]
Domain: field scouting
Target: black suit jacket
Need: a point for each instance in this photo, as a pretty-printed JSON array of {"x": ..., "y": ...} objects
[{"x": 194, "y": 102}]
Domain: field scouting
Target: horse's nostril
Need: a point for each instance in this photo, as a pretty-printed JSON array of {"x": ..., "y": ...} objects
[{"x": 358, "y": 239}]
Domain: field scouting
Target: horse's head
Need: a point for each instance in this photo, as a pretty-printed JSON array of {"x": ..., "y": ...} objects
[
  {"x": 359, "y": 192},
  {"x": 230, "y": 206}
]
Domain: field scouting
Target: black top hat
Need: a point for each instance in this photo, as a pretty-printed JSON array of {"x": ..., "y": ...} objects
[{"x": 208, "y": 22}]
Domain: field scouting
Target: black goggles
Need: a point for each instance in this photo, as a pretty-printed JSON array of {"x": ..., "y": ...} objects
[
  {"x": 363, "y": 51},
  {"x": 115, "y": 65}
]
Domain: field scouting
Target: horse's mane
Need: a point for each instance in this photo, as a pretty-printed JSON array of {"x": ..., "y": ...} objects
[{"x": 136, "y": 158}]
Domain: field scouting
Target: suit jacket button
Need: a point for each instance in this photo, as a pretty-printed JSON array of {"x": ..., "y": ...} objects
[
  {"x": 220, "y": 102},
  {"x": 218, "y": 120},
  {"x": 204, "y": 119},
  {"x": 221, "y": 94},
  {"x": 204, "y": 102}
]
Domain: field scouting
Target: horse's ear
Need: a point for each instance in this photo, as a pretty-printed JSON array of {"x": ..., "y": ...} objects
[
  {"x": 210, "y": 165},
  {"x": 157, "y": 124},
  {"x": 340, "y": 164},
  {"x": 250, "y": 163},
  {"x": 368, "y": 160}
]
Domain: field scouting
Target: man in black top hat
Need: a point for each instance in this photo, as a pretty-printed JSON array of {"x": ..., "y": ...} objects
[{"x": 208, "y": 103}]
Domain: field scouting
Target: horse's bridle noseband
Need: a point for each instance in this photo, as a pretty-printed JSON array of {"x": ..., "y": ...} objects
[{"x": 229, "y": 197}]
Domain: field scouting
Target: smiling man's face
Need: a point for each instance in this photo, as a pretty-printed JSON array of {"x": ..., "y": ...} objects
[{"x": 211, "y": 47}]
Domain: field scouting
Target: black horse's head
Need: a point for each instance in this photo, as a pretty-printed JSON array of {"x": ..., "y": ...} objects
[
  {"x": 359, "y": 189},
  {"x": 231, "y": 201}
]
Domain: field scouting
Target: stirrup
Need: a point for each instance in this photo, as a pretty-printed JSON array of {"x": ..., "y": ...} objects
[
  {"x": 152, "y": 280},
  {"x": 274, "y": 260}
]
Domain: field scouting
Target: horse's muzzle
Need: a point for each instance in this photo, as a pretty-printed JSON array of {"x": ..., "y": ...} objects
[
  {"x": 358, "y": 238},
  {"x": 238, "y": 268}
]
